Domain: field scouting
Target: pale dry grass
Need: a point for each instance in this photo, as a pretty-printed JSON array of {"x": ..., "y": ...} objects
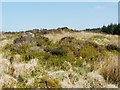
[
  {"x": 5, "y": 42},
  {"x": 7, "y": 81},
  {"x": 83, "y": 35},
  {"x": 109, "y": 69},
  {"x": 24, "y": 69},
  {"x": 78, "y": 35},
  {"x": 70, "y": 79},
  {"x": 4, "y": 65},
  {"x": 114, "y": 39}
]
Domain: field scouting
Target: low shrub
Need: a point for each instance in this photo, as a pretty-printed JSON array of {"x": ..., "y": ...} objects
[
  {"x": 31, "y": 55},
  {"x": 19, "y": 49},
  {"x": 28, "y": 57},
  {"x": 58, "y": 51},
  {"x": 67, "y": 39},
  {"x": 41, "y": 39},
  {"x": 87, "y": 43},
  {"x": 46, "y": 82},
  {"x": 76, "y": 53},
  {"x": 47, "y": 49},
  {"x": 46, "y": 56},
  {"x": 88, "y": 52},
  {"x": 39, "y": 44},
  {"x": 111, "y": 47},
  {"x": 44, "y": 32}
]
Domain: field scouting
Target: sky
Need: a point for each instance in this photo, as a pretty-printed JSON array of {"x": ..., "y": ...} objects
[
  {"x": 59, "y": 0},
  {"x": 19, "y": 16},
  {"x": 0, "y": 16},
  {"x": 119, "y": 12}
]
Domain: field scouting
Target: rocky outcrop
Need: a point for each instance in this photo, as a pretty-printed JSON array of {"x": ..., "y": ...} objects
[{"x": 24, "y": 39}]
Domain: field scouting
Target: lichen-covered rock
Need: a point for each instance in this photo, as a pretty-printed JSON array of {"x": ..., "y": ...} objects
[{"x": 24, "y": 39}]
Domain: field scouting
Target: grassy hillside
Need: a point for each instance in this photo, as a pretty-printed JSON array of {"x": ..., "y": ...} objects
[{"x": 61, "y": 58}]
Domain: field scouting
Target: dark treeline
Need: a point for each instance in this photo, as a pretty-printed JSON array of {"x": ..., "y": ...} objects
[
  {"x": 44, "y": 31},
  {"x": 110, "y": 29}
]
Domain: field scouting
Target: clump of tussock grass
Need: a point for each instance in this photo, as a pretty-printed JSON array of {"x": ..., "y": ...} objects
[{"x": 109, "y": 69}]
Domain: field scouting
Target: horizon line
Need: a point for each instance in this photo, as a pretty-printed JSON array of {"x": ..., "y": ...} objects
[{"x": 57, "y": 28}]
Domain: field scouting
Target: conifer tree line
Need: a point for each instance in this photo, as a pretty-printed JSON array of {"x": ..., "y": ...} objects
[{"x": 109, "y": 29}]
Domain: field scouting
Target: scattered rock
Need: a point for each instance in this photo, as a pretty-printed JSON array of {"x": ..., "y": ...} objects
[{"x": 24, "y": 39}]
